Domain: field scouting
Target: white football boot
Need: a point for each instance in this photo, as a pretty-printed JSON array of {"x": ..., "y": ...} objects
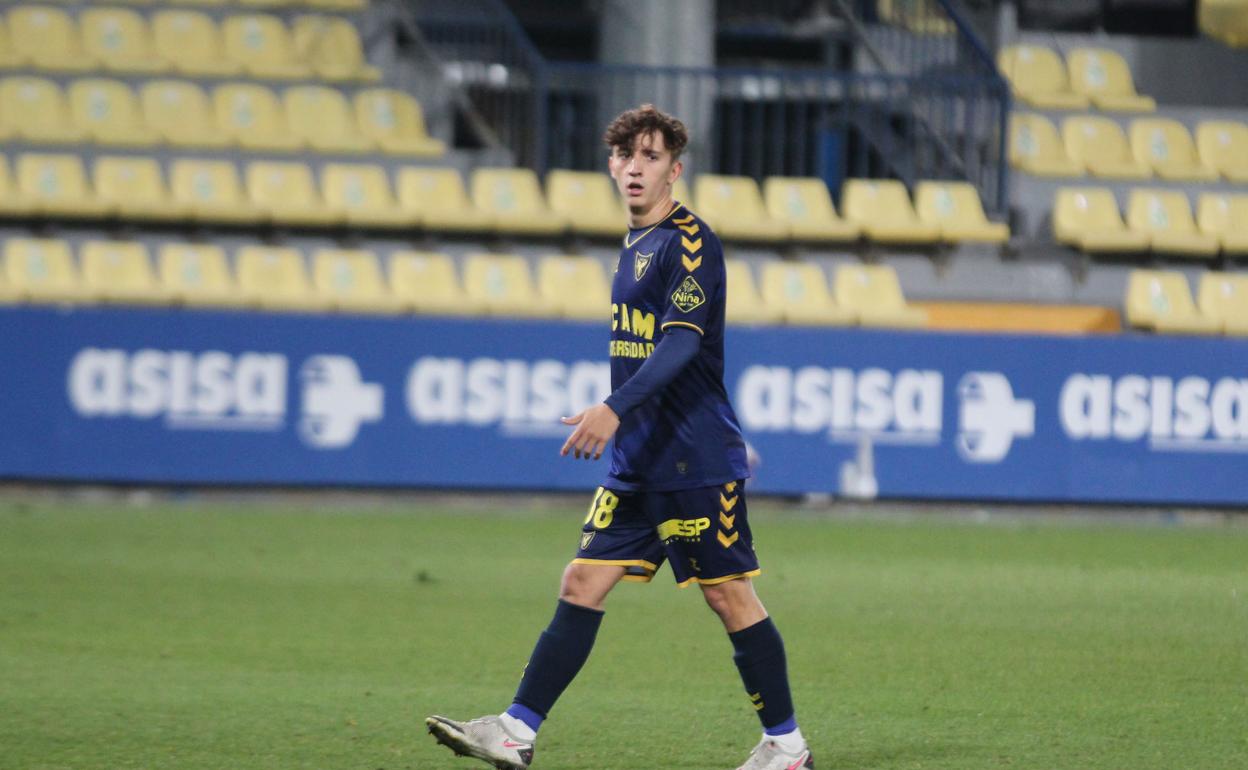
[
  {"x": 485, "y": 738},
  {"x": 768, "y": 755}
]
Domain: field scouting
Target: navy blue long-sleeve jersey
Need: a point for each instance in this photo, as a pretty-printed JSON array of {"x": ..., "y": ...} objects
[{"x": 687, "y": 435}]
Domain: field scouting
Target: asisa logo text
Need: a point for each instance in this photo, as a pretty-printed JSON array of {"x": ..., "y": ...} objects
[{"x": 207, "y": 390}]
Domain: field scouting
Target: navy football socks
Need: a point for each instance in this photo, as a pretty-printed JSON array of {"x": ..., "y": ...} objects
[
  {"x": 557, "y": 658},
  {"x": 760, "y": 659}
]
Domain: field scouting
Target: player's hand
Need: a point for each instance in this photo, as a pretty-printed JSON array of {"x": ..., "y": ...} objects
[{"x": 594, "y": 428}]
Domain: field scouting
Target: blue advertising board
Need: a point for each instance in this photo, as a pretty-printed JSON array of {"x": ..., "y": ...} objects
[{"x": 188, "y": 397}]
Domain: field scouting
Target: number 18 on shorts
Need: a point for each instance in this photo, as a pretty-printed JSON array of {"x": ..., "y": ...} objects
[{"x": 703, "y": 532}]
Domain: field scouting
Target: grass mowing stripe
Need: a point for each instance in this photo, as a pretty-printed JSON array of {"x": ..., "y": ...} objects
[{"x": 264, "y": 637}]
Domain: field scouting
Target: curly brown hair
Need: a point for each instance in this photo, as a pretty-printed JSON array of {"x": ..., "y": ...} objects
[{"x": 643, "y": 121}]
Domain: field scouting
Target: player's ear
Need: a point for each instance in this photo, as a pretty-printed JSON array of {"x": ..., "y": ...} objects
[{"x": 677, "y": 168}]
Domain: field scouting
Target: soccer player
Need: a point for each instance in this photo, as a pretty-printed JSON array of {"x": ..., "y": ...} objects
[{"x": 675, "y": 490}]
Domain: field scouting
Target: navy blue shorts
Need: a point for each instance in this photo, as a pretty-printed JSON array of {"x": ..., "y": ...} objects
[{"x": 703, "y": 533}]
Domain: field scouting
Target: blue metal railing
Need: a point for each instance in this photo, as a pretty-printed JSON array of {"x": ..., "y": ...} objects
[{"x": 938, "y": 110}]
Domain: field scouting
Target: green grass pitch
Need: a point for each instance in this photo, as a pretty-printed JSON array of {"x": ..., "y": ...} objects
[{"x": 189, "y": 636}]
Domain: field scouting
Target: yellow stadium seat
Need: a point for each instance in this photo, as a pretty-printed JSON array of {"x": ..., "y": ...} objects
[
  {"x": 873, "y": 294},
  {"x": 42, "y": 270},
  {"x": 1166, "y": 217},
  {"x": 955, "y": 208},
  {"x": 191, "y": 42},
  {"x": 395, "y": 122},
  {"x": 1225, "y": 20},
  {"x": 425, "y": 282},
  {"x": 1037, "y": 148},
  {"x": 805, "y": 206},
  {"x": 1038, "y": 78},
  {"x": 683, "y": 195},
  {"x": 503, "y": 285},
  {"x": 209, "y": 3},
  {"x": 882, "y": 208},
  {"x": 181, "y": 114},
  {"x": 332, "y": 46},
  {"x": 119, "y": 39},
  {"x": 9, "y": 57},
  {"x": 286, "y": 193},
  {"x": 1103, "y": 76},
  {"x": 801, "y": 292},
  {"x": 1224, "y": 297},
  {"x": 8, "y": 294},
  {"x": 351, "y": 280},
  {"x": 514, "y": 199},
  {"x": 46, "y": 38},
  {"x": 261, "y": 44},
  {"x": 320, "y": 118},
  {"x": 252, "y": 116},
  {"x": 109, "y": 113},
  {"x": 12, "y": 202},
  {"x": 338, "y": 5},
  {"x": 134, "y": 189},
  {"x": 1225, "y": 217},
  {"x": 576, "y": 287},
  {"x": 1088, "y": 218},
  {"x": 745, "y": 305},
  {"x": 734, "y": 207},
  {"x": 56, "y": 185},
  {"x": 198, "y": 274},
  {"x": 1223, "y": 144},
  {"x": 1166, "y": 147},
  {"x": 120, "y": 271},
  {"x": 211, "y": 192},
  {"x": 437, "y": 196},
  {"x": 275, "y": 277},
  {"x": 360, "y": 193},
  {"x": 35, "y": 110},
  {"x": 1099, "y": 145},
  {"x": 1161, "y": 300},
  {"x": 588, "y": 200}
]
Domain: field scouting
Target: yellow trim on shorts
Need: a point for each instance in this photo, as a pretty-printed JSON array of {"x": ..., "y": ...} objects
[
  {"x": 718, "y": 580},
  {"x": 686, "y": 324},
  {"x": 647, "y": 566}
]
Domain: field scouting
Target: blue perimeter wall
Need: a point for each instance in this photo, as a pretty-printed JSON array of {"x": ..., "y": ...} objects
[{"x": 188, "y": 397}]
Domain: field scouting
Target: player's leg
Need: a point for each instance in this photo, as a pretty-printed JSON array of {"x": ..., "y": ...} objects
[
  {"x": 616, "y": 544},
  {"x": 758, "y": 651},
  {"x": 721, "y": 560}
]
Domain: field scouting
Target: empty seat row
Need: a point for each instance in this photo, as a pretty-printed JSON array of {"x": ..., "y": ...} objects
[
  {"x": 879, "y": 210},
  {"x": 1090, "y": 77},
  {"x": 276, "y": 277},
  {"x": 186, "y": 42},
  {"x": 1155, "y": 147},
  {"x": 1161, "y": 300},
  {"x": 504, "y": 200},
  {"x": 1157, "y": 220},
  {"x": 211, "y": 191},
  {"x": 180, "y": 114},
  {"x": 324, "y": 5}
]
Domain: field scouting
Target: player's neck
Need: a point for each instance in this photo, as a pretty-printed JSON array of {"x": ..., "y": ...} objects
[{"x": 656, "y": 214}]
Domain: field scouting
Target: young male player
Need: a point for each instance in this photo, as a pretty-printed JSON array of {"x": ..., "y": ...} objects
[{"x": 675, "y": 490}]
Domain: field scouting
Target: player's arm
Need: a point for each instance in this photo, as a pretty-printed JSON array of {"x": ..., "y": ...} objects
[{"x": 595, "y": 426}]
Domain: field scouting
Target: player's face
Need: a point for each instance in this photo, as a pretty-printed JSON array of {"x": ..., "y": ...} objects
[{"x": 644, "y": 173}]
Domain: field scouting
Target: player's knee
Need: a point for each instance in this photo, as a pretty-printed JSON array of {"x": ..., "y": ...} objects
[
  {"x": 584, "y": 586},
  {"x": 735, "y": 603},
  {"x": 720, "y": 599}
]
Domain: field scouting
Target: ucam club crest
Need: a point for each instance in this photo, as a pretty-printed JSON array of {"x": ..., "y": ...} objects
[{"x": 640, "y": 263}]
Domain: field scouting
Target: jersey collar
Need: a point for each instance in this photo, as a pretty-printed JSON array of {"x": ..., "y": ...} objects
[{"x": 628, "y": 244}]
